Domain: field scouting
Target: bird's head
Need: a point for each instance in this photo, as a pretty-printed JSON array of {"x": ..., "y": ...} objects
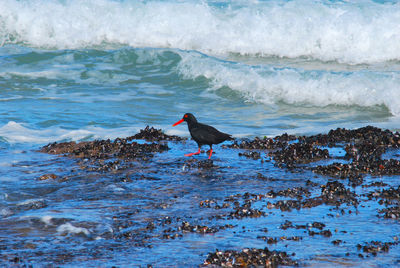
[{"x": 188, "y": 117}]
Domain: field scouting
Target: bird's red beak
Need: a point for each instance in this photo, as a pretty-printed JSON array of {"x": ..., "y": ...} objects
[{"x": 177, "y": 123}]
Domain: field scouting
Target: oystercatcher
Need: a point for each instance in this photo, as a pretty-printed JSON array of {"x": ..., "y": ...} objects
[{"x": 203, "y": 134}]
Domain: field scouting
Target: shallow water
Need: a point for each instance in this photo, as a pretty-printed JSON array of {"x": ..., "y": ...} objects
[
  {"x": 99, "y": 69},
  {"x": 103, "y": 218}
]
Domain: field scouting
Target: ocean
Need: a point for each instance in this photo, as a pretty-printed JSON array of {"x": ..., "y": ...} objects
[{"x": 101, "y": 69}]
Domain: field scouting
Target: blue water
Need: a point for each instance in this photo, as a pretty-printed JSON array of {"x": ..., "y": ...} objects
[{"x": 97, "y": 69}]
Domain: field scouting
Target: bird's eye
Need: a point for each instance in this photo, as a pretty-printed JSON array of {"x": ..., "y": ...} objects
[{"x": 185, "y": 115}]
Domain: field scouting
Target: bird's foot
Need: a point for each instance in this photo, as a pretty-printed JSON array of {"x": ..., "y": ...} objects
[{"x": 198, "y": 152}]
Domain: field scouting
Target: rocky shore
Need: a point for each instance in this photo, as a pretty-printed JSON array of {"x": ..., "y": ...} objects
[{"x": 341, "y": 173}]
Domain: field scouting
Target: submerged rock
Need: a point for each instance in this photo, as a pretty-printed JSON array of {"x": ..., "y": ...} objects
[{"x": 249, "y": 257}]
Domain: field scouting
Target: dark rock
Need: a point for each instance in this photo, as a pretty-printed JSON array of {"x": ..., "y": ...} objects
[
  {"x": 249, "y": 258},
  {"x": 104, "y": 149},
  {"x": 375, "y": 247},
  {"x": 298, "y": 153},
  {"x": 47, "y": 176},
  {"x": 335, "y": 193},
  {"x": 391, "y": 212},
  {"x": 153, "y": 134},
  {"x": 252, "y": 155}
]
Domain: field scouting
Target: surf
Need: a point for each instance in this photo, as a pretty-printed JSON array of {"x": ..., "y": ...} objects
[{"x": 353, "y": 33}]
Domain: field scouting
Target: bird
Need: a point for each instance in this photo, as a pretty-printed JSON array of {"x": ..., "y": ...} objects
[{"x": 203, "y": 134}]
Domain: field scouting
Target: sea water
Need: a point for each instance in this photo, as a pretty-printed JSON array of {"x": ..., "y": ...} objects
[{"x": 96, "y": 69}]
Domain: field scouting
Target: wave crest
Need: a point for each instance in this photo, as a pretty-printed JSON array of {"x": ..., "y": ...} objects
[
  {"x": 271, "y": 85},
  {"x": 353, "y": 33}
]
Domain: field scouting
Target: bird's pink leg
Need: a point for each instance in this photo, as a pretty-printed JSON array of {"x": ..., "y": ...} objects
[
  {"x": 209, "y": 156},
  {"x": 198, "y": 152}
]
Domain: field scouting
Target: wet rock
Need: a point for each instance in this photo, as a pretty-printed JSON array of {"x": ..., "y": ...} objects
[
  {"x": 32, "y": 204},
  {"x": 387, "y": 196},
  {"x": 257, "y": 143},
  {"x": 298, "y": 153},
  {"x": 355, "y": 181},
  {"x": 150, "y": 226},
  {"x": 286, "y": 225},
  {"x": 153, "y": 134},
  {"x": 123, "y": 148},
  {"x": 198, "y": 164},
  {"x": 312, "y": 202},
  {"x": 206, "y": 163},
  {"x": 375, "y": 247},
  {"x": 374, "y": 167},
  {"x": 262, "y": 177},
  {"x": 249, "y": 258},
  {"x": 213, "y": 204},
  {"x": 358, "y": 136},
  {"x": 337, "y": 242},
  {"x": 288, "y": 205},
  {"x": 263, "y": 143},
  {"x": 245, "y": 212},
  {"x": 269, "y": 240},
  {"x": 318, "y": 225},
  {"x": 207, "y": 203},
  {"x": 186, "y": 227},
  {"x": 375, "y": 184},
  {"x": 252, "y": 155},
  {"x": 335, "y": 193},
  {"x": 47, "y": 176},
  {"x": 291, "y": 238},
  {"x": 311, "y": 183},
  {"x": 365, "y": 147},
  {"x": 391, "y": 193},
  {"x": 338, "y": 170},
  {"x": 105, "y": 149},
  {"x": 104, "y": 166},
  {"x": 326, "y": 233},
  {"x": 295, "y": 192},
  {"x": 391, "y": 212}
]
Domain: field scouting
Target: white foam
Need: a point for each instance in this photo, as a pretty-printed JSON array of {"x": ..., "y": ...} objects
[
  {"x": 5, "y": 212},
  {"x": 14, "y": 132},
  {"x": 69, "y": 228},
  {"x": 30, "y": 201},
  {"x": 115, "y": 188},
  {"x": 344, "y": 31},
  {"x": 269, "y": 85},
  {"x": 47, "y": 219}
]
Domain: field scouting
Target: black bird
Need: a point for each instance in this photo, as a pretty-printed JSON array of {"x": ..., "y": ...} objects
[{"x": 203, "y": 134}]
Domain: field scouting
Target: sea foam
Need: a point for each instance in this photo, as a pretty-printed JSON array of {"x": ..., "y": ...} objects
[
  {"x": 343, "y": 31},
  {"x": 14, "y": 132},
  {"x": 270, "y": 85},
  {"x": 68, "y": 228}
]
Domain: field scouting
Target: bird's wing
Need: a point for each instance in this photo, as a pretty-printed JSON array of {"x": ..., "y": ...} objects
[{"x": 206, "y": 134}]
